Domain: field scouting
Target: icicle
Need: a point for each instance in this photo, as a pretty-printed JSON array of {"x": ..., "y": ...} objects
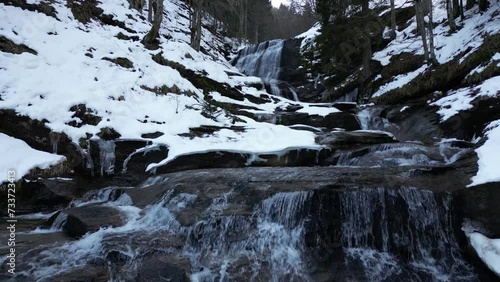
[{"x": 107, "y": 157}]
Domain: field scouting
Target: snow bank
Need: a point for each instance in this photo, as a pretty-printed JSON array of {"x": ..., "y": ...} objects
[
  {"x": 487, "y": 249},
  {"x": 489, "y": 157},
  {"x": 20, "y": 157}
]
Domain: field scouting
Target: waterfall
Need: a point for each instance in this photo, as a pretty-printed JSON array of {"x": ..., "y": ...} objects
[
  {"x": 263, "y": 60},
  {"x": 385, "y": 235},
  {"x": 417, "y": 241}
]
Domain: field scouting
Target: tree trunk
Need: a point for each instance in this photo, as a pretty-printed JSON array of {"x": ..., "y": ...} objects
[
  {"x": 430, "y": 28},
  {"x": 470, "y": 4},
  {"x": 195, "y": 24},
  {"x": 483, "y": 5},
  {"x": 393, "y": 20},
  {"x": 367, "y": 46},
  {"x": 461, "y": 10},
  {"x": 451, "y": 18},
  {"x": 456, "y": 9},
  {"x": 150, "y": 11},
  {"x": 151, "y": 36},
  {"x": 421, "y": 27}
]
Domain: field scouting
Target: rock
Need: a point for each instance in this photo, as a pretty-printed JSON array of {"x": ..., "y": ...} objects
[
  {"x": 480, "y": 203},
  {"x": 343, "y": 120},
  {"x": 37, "y": 135},
  {"x": 108, "y": 133},
  {"x": 89, "y": 273},
  {"x": 90, "y": 219},
  {"x": 230, "y": 159},
  {"x": 167, "y": 268},
  {"x": 152, "y": 135},
  {"x": 8, "y": 46},
  {"x": 137, "y": 162},
  {"x": 36, "y": 196},
  {"x": 123, "y": 62},
  {"x": 355, "y": 137},
  {"x": 86, "y": 115}
]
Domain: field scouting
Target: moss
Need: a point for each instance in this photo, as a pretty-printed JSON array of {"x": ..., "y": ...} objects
[
  {"x": 53, "y": 171},
  {"x": 164, "y": 90},
  {"x": 200, "y": 81},
  {"x": 108, "y": 133},
  {"x": 489, "y": 71},
  {"x": 402, "y": 63},
  {"x": 44, "y": 8},
  {"x": 123, "y": 62},
  {"x": 85, "y": 11},
  {"x": 86, "y": 115},
  {"x": 8, "y": 46},
  {"x": 122, "y": 36}
]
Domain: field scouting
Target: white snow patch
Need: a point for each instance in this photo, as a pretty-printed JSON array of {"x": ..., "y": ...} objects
[
  {"x": 461, "y": 99},
  {"x": 487, "y": 249},
  {"x": 399, "y": 81},
  {"x": 21, "y": 158},
  {"x": 489, "y": 156}
]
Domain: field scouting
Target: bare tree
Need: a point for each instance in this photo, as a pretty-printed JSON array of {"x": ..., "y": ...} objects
[
  {"x": 430, "y": 29},
  {"x": 150, "y": 38},
  {"x": 195, "y": 23},
  {"x": 451, "y": 16},
  {"x": 150, "y": 10},
  {"x": 419, "y": 14},
  {"x": 393, "y": 20},
  {"x": 366, "y": 45}
]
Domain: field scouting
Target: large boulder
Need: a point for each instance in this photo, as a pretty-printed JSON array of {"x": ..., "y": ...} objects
[{"x": 84, "y": 219}]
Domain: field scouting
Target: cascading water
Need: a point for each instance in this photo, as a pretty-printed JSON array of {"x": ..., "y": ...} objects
[
  {"x": 263, "y": 60},
  {"x": 416, "y": 244}
]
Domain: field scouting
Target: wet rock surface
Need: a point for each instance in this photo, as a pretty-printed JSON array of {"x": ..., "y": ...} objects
[{"x": 339, "y": 217}]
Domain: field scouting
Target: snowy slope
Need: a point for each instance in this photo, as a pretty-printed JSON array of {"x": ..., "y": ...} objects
[
  {"x": 69, "y": 70},
  {"x": 468, "y": 38}
]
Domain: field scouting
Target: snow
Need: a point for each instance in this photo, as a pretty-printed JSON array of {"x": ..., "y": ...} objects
[
  {"x": 487, "y": 249},
  {"x": 489, "y": 156},
  {"x": 461, "y": 99},
  {"x": 20, "y": 157},
  {"x": 321, "y": 111},
  {"x": 68, "y": 70},
  {"x": 399, "y": 81},
  {"x": 310, "y": 35},
  {"x": 469, "y": 37}
]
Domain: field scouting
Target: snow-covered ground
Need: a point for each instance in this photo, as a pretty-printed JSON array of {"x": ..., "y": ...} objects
[
  {"x": 21, "y": 158},
  {"x": 69, "y": 70},
  {"x": 469, "y": 36},
  {"x": 489, "y": 156},
  {"x": 487, "y": 249},
  {"x": 461, "y": 99}
]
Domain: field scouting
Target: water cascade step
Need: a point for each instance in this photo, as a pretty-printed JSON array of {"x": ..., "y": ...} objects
[{"x": 264, "y": 61}]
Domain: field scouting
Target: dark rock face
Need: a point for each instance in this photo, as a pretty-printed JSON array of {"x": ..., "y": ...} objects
[
  {"x": 36, "y": 196},
  {"x": 343, "y": 120},
  {"x": 354, "y": 137},
  {"x": 85, "y": 219},
  {"x": 228, "y": 159},
  {"x": 159, "y": 268},
  {"x": 7, "y": 45},
  {"x": 291, "y": 61}
]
